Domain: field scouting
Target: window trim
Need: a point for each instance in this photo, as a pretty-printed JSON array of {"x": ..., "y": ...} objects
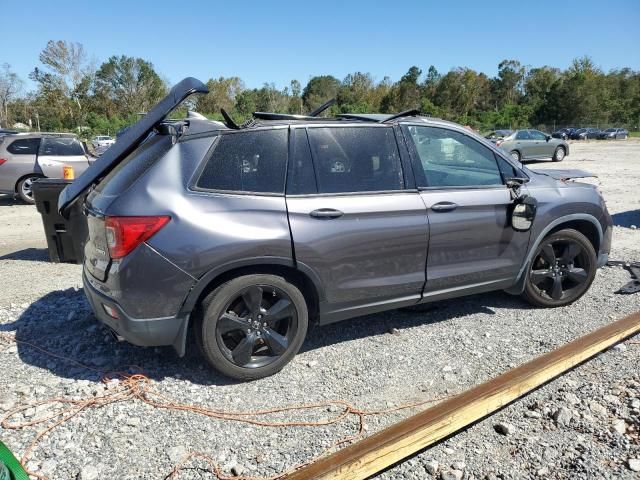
[
  {"x": 193, "y": 187},
  {"x": 404, "y": 188},
  {"x": 417, "y": 163}
]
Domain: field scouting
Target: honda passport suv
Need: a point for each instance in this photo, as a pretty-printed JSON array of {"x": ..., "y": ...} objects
[{"x": 247, "y": 235}]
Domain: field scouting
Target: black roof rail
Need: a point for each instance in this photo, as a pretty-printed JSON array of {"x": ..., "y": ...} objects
[
  {"x": 407, "y": 113},
  {"x": 359, "y": 116},
  {"x": 323, "y": 107},
  {"x": 281, "y": 116},
  {"x": 228, "y": 120}
]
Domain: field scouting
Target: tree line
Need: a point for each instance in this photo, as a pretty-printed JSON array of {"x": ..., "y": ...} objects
[{"x": 73, "y": 94}]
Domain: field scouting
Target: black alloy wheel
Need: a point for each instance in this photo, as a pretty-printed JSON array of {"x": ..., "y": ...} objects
[
  {"x": 257, "y": 326},
  {"x": 252, "y": 326},
  {"x": 562, "y": 270}
]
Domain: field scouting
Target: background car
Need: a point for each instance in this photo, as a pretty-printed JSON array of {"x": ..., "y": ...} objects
[
  {"x": 4, "y": 131},
  {"x": 562, "y": 133},
  {"x": 534, "y": 145},
  {"x": 585, "y": 133},
  {"x": 498, "y": 135},
  {"x": 102, "y": 141},
  {"x": 614, "y": 134},
  {"x": 26, "y": 157}
]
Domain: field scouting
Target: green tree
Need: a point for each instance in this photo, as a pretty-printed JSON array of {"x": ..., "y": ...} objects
[
  {"x": 319, "y": 90},
  {"x": 125, "y": 86}
]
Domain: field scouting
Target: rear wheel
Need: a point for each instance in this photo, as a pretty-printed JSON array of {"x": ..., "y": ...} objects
[
  {"x": 252, "y": 326},
  {"x": 25, "y": 188},
  {"x": 559, "y": 154},
  {"x": 562, "y": 270},
  {"x": 515, "y": 155}
]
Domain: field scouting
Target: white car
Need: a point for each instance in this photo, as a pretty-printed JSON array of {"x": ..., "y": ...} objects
[{"x": 102, "y": 141}]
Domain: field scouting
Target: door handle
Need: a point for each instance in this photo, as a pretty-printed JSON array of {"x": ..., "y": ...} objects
[
  {"x": 444, "y": 206},
  {"x": 326, "y": 213}
]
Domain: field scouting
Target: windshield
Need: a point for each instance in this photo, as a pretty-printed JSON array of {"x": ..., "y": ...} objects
[{"x": 610, "y": 130}]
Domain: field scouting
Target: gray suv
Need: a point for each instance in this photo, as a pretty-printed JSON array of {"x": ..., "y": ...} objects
[{"x": 246, "y": 235}]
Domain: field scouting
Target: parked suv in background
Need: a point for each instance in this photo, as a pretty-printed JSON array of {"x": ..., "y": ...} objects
[
  {"x": 26, "y": 157},
  {"x": 246, "y": 235},
  {"x": 534, "y": 145}
]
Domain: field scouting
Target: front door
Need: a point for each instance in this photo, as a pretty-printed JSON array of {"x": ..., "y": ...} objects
[
  {"x": 542, "y": 147},
  {"x": 471, "y": 244},
  {"x": 353, "y": 221}
]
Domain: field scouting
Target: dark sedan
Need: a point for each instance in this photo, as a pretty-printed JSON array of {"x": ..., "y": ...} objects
[
  {"x": 563, "y": 133},
  {"x": 613, "y": 134},
  {"x": 585, "y": 133}
]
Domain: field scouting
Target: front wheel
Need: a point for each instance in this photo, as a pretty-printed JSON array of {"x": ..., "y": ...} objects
[
  {"x": 563, "y": 268},
  {"x": 252, "y": 326},
  {"x": 24, "y": 188},
  {"x": 559, "y": 154}
]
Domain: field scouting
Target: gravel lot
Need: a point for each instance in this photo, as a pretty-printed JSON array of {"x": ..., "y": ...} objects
[{"x": 583, "y": 425}]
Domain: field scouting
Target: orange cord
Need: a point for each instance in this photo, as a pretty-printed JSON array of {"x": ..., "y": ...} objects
[{"x": 139, "y": 387}]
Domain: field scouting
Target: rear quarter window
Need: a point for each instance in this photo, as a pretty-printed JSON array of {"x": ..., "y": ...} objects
[
  {"x": 253, "y": 162},
  {"x": 24, "y": 146}
]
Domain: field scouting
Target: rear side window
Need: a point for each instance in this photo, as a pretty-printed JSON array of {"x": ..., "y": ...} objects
[
  {"x": 247, "y": 162},
  {"x": 523, "y": 135},
  {"x": 356, "y": 159},
  {"x": 24, "y": 146},
  {"x": 60, "y": 147}
]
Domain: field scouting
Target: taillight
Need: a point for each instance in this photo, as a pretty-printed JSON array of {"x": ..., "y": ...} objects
[
  {"x": 3, "y": 161},
  {"x": 126, "y": 233},
  {"x": 498, "y": 143}
]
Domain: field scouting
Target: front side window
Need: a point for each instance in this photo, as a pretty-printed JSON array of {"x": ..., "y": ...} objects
[
  {"x": 355, "y": 159},
  {"x": 452, "y": 159},
  {"x": 24, "y": 146},
  {"x": 60, "y": 147},
  {"x": 537, "y": 135},
  {"x": 247, "y": 162}
]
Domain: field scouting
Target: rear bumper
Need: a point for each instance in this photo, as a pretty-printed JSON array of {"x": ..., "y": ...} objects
[{"x": 147, "y": 332}]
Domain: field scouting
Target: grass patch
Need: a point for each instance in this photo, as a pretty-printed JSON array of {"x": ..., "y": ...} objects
[{"x": 634, "y": 134}]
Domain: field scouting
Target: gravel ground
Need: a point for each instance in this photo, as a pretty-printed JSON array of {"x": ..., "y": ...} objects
[{"x": 583, "y": 425}]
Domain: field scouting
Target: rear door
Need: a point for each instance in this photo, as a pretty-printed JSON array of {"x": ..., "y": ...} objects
[
  {"x": 471, "y": 243},
  {"x": 353, "y": 220},
  {"x": 57, "y": 152},
  {"x": 524, "y": 144}
]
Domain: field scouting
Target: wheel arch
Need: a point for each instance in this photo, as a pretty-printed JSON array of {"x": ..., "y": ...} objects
[
  {"x": 30, "y": 174},
  {"x": 299, "y": 275},
  {"x": 584, "y": 223}
]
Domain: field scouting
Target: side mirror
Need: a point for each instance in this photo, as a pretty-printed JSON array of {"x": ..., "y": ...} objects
[
  {"x": 548, "y": 137},
  {"x": 523, "y": 213}
]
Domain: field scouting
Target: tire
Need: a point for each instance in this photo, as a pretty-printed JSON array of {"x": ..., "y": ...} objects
[
  {"x": 235, "y": 333},
  {"x": 23, "y": 188},
  {"x": 559, "y": 154},
  {"x": 571, "y": 263},
  {"x": 515, "y": 155}
]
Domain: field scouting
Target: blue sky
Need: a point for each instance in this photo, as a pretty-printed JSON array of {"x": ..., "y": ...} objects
[{"x": 281, "y": 40}]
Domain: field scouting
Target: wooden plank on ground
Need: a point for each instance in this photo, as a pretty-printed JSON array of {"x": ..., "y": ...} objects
[{"x": 407, "y": 437}]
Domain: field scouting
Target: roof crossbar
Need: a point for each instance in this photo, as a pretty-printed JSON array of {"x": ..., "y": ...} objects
[
  {"x": 407, "y": 113},
  {"x": 323, "y": 107}
]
